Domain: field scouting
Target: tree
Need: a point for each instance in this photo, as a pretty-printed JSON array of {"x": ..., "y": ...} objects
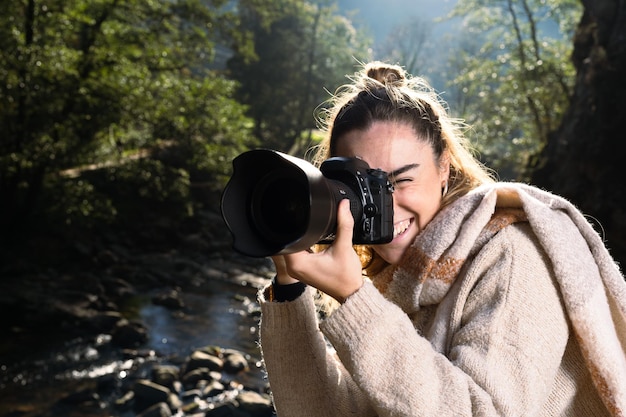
[
  {"x": 85, "y": 82},
  {"x": 301, "y": 49},
  {"x": 407, "y": 44},
  {"x": 584, "y": 156},
  {"x": 514, "y": 70}
]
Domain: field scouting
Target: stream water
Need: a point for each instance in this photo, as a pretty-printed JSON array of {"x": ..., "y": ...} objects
[{"x": 221, "y": 314}]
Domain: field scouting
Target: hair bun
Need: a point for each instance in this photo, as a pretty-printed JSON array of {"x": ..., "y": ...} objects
[{"x": 385, "y": 73}]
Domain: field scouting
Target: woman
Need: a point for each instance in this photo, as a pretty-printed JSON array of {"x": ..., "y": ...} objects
[{"x": 491, "y": 299}]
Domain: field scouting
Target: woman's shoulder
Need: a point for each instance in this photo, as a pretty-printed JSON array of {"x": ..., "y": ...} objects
[
  {"x": 512, "y": 254},
  {"x": 517, "y": 237},
  {"x": 523, "y": 245},
  {"x": 510, "y": 277}
]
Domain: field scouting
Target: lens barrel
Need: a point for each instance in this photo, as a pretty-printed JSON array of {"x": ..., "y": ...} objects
[{"x": 276, "y": 204}]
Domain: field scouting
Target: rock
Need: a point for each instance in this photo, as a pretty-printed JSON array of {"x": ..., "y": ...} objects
[
  {"x": 128, "y": 334},
  {"x": 174, "y": 402},
  {"x": 203, "y": 390},
  {"x": 215, "y": 376},
  {"x": 226, "y": 410},
  {"x": 170, "y": 299},
  {"x": 117, "y": 287},
  {"x": 254, "y": 403},
  {"x": 201, "y": 359},
  {"x": 190, "y": 396},
  {"x": 192, "y": 378},
  {"x": 157, "y": 410},
  {"x": 108, "y": 384},
  {"x": 190, "y": 408},
  {"x": 212, "y": 389},
  {"x": 104, "y": 322},
  {"x": 85, "y": 396},
  {"x": 212, "y": 350},
  {"x": 125, "y": 402},
  {"x": 165, "y": 375},
  {"x": 235, "y": 362},
  {"x": 134, "y": 353},
  {"x": 148, "y": 394}
]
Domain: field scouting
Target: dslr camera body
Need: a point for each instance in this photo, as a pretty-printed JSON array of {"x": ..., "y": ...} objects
[
  {"x": 370, "y": 194},
  {"x": 277, "y": 204}
]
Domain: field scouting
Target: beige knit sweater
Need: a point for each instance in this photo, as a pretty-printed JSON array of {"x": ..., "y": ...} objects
[{"x": 507, "y": 304}]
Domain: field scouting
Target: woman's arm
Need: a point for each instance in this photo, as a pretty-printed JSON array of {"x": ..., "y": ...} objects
[{"x": 305, "y": 378}]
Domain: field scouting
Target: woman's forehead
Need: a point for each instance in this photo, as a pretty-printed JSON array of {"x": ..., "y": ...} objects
[{"x": 385, "y": 145}]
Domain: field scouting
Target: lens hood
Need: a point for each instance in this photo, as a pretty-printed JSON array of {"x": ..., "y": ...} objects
[{"x": 276, "y": 204}]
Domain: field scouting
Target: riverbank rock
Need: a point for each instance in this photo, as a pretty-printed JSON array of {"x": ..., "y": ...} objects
[
  {"x": 129, "y": 334},
  {"x": 166, "y": 375},
  {"x": 203, "y": 360},
  {"x": 200, "y": 386},
  {"x": 169, "y": 299},
  {"x": 157, "y": 410},
  {"x": 254, "y": 403}
]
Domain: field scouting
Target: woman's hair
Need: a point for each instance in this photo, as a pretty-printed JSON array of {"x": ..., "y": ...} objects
[{"x": 383, "y": 92}]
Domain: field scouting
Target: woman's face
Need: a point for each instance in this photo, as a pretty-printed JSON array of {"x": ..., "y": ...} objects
[{"x": 417, "y": 176}]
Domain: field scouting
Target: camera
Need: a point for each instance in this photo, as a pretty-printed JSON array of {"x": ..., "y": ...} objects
[{"x": 275, "y": 203}]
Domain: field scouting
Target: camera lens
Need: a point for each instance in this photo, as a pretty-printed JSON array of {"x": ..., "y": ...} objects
[
  {"x": 279, "y": 207},
  {"x": 277, "y": 204}
]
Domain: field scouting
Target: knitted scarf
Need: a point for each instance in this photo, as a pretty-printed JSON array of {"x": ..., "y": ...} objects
[{"x": 594, "y": 295}]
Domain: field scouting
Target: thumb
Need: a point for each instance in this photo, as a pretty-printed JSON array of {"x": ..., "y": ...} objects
[{"x": 345, "y": 223}]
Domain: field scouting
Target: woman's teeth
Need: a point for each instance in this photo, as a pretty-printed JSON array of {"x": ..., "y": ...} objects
[{"x": 401, "y": 227}]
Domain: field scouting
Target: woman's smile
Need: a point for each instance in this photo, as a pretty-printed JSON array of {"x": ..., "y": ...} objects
[{"x": 401, "y": 227}]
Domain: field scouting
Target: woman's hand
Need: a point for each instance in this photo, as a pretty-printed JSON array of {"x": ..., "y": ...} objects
[{"x": 335, "y": 271}]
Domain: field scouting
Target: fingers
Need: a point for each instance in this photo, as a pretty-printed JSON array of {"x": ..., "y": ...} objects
[
  {"x": 328, "y": 269},
  {"x": 345, "y": 225},
  {"x": 335, "y": 271},
  {"x": 282, "y": 274},
  {"x": 279, "y": 263}
]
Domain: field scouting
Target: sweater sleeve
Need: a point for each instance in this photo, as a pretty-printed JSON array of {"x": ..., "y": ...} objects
[
  {"x": 506, "y": 333},
  {"x": 305, "y": 376}
]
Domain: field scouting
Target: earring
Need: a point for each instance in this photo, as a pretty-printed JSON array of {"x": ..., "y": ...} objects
[{"x": 444, "y": 189}]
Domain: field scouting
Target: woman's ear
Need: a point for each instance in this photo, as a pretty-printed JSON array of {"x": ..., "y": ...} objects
[{"x": 444, "y": 167}]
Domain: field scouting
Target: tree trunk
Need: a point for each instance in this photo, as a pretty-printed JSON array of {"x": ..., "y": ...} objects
[{"x": 583, "y": 159}]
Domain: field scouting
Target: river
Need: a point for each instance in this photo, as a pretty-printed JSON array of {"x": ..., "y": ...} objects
[{"x": 222, "y": 313}]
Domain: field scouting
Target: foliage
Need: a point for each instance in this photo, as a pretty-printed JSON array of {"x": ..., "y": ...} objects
[
  {"x": 407, "y": 44},
  {"x": 302, "y": 48},
  {"x": 96, "y": 82},
  {"x": 99, "y": 198},
  {"x": 514, "y": 74},
  {"x": 200, "y": 127}
]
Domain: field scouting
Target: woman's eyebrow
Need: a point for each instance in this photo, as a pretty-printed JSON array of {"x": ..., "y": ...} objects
[{"x": 402, "y": 170}]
